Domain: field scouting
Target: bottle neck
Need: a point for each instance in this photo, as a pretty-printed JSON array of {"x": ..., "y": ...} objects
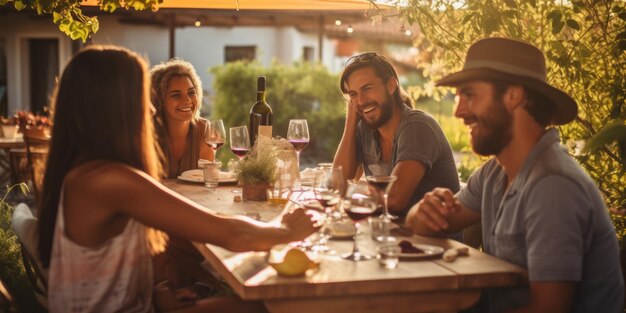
[{"x": 260, "y": 96}]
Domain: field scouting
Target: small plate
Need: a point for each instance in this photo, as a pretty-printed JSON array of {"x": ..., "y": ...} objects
[
  {"x": 196, "y": 176},
  {"x": 429, "y": 252}
]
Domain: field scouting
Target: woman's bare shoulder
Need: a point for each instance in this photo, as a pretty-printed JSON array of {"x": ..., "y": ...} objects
[{"x": 102, "y": 176}]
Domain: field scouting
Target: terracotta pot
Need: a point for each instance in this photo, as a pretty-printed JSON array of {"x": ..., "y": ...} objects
[{"x": 255, "y": 192}]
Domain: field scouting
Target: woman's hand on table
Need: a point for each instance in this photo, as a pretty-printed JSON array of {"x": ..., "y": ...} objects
[{"x": 298, "y": 224}]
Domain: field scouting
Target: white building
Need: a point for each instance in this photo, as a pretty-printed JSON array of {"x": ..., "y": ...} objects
[{"x": 33, "y": 51}]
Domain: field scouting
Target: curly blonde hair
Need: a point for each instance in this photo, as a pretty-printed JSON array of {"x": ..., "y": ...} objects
[
  {"x": 160, "y": 76},
  {"x": 162, "y": 73}
]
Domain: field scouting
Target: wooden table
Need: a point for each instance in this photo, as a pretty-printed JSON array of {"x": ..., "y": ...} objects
[{"x": 346, "y": 286}]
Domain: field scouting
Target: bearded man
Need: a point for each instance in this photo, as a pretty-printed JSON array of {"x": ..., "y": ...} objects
[
  {"x": 384, "y": 136},
  {"x": 538, "y": 208}
]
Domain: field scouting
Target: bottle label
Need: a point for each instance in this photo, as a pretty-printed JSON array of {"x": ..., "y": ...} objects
[{"x": 265, "y": 130}]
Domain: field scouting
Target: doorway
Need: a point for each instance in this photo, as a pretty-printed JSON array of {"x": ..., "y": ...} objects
[{"x": 43, "y": 70}]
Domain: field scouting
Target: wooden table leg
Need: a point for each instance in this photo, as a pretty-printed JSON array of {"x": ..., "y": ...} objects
[{"x": 441, "y": 301}]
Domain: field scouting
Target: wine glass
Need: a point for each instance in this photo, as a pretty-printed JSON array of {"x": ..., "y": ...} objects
[
  {"x": 382, "y": 184},
  {"x": 328, "y": 195},
  {"x": 239, "y": 141},
  {"x": 215, "y": 135},
  {"x": 358, "y": 209},
  {"x": 298, "y": 136}
]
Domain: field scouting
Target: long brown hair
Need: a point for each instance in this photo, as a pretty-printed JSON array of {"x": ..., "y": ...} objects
[
  {"x": 102, "y": 111},
  {"x": 383, "y": 70}
]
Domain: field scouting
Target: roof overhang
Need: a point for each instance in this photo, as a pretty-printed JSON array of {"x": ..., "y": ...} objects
[{"x": 334, "y": 5}]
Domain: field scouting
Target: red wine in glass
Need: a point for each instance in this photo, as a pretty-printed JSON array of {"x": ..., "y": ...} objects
[
  {"x": 380, "y": 183},
  {"x": 240, "y": 152},
  {"x": 299, "y": 145},
  {"x": 327, "y": 199},
  {"x": 215, "y": 145},
  {"x": 358, "y": 213}
]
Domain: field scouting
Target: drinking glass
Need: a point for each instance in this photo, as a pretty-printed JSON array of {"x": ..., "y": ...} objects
[
  {"x": 329, "y": 193},
  {"x": 358, "y": 209},
  {"x": 382, "y": 184},
  {"x": 298, "y": 136},
  {"x": 215, "y": 135},
  {"x": 239, "y": 141}
]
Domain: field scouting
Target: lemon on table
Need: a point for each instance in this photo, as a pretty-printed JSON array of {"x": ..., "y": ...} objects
[{"x": 295, "y": 263}]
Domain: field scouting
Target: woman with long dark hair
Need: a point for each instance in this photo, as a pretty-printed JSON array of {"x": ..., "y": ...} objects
[{"x": 102, "y": 200}]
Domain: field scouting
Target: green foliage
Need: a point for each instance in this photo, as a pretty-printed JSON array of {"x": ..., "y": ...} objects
[
  {"x": 12, "y": 270},
  {"x": 470, "y": 162},
  {"x": 259, "y": 165},
  {"x": 455, "y": 131},
  {"x": 584, "y": 42},
  {"x": 68, "y": 15},
  {"x": 302, "y": 90}
]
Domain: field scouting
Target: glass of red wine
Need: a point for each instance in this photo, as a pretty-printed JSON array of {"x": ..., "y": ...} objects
[
  {"x": 328, "y": 194},
  {"x": 382, "y": 185},
  {"x": 358, "y": 209},
  {"x": 239, "y": 141},
  {"x": 215, "y": 135},
  {"x": 298, "y": 136}
]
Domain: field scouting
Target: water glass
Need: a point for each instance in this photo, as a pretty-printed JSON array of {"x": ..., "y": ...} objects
[
  {"x": 211, "y": 171},
  {"x": 388, "y": 256},
  {"x": 379, "y": 228}
]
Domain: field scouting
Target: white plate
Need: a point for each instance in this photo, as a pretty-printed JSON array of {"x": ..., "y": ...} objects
[
  {"x": 196, "y": 176},
  {"x": 429, "y": 252}
]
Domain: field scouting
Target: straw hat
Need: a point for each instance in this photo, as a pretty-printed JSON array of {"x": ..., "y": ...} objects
[{"x": 517, "y": 62}]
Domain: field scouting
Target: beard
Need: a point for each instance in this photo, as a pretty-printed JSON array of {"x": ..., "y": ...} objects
[
  {"x": 493, "y": 131},
  {"x": 386, "y": 111}
]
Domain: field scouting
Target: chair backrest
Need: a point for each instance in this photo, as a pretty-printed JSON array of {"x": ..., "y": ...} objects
[
  {"x": 25, "y": 227},
  {"x": 37, "y": 144}
]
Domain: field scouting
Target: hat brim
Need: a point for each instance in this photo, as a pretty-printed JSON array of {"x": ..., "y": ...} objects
[{"x": 566, "y": 107}]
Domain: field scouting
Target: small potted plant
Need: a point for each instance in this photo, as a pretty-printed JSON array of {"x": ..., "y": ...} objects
[
  {"x": 9, "y": 127},
  {"x": 257, "y": 171}
]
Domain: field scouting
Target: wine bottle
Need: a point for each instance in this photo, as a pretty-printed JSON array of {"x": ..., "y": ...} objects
[{"x": 260, "y": 114}]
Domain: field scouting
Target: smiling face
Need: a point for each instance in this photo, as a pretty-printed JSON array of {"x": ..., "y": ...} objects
[
  {"x": 484, "y": 113},
  {"x": 181, "y": 99},
  {"x": 371, "y": 96}
]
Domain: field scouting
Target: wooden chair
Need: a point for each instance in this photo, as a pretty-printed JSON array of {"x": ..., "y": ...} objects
[
  {"x": 25, "y": 227},
  {"x": 37, "y": 146}
]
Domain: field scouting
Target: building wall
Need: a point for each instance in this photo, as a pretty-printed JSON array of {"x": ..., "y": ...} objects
[
  {"x": 150, "y": 41},
  {"x": 17, "y": 30},
  {"x": 204, "y": 47}
]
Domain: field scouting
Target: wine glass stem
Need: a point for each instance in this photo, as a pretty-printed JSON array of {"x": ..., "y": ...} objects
[
  {"x": 355, "y": 247},
  {"x": 385, "y": 207},
  {"x": 298, "y": 159}
]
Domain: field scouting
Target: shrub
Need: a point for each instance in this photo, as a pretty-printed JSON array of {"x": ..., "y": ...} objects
[
  {"x": 12, "y": 270},
  {"x": 302, "y": 90}
]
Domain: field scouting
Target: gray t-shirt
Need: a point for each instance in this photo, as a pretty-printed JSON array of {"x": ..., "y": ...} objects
[
  {"x": 418, "y": 137},
  {"x": 552, "y": 221}
]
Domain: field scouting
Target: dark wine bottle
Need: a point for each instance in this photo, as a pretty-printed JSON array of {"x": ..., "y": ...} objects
[{"x": 260, "y": 114}]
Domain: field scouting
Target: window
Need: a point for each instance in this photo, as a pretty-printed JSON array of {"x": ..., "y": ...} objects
[
  {"x": 236, "y": 53},
  {"x": 308, "y": 54}
]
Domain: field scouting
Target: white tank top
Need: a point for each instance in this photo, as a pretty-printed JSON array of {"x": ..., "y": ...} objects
[{"x": 114, "y": 277}]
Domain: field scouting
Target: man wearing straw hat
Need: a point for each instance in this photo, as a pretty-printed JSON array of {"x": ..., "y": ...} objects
[{"x": 538, "y": 208}]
